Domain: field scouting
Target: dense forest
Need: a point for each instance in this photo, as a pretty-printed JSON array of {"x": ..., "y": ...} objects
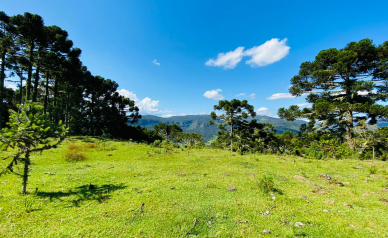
[{"x": 346, "y": 88}]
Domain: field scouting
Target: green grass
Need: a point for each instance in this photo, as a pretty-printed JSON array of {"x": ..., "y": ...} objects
[{"x": 177, "y": 189}]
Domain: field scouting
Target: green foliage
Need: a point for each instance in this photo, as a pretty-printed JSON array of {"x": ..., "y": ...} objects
[
  {"x": 334, "y": 82},
  {"x": 29, "y": 131},
  {"x": 314, "y": 151},
  {"x": 372, "y": 170},
  {"x": 266, "y": 184}
]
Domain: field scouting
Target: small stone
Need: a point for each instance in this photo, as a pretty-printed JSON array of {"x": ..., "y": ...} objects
[
  {"x": 349, "y": 206},
  {"x": 325, "y": 210},
  {"x": 345, "y": 183},
  {"x": 299, "y": 224},
  {"x": 266, "y": 213},
  {"x": 266, "y": 231},
  {"x": 304, "y": 197},
  {"x": 373, "y": 176},
  {"x": 351, "y": 226},
  {"x": 330, "y": 202},
  {"x": 172, "y": 188},
  {"x": 358, "y": 167},
  {"x": 301, "y": 178},
  {"x": 319, "y": 191},
  {"x": 231, "y": 188},
  {"x": 383, "y": 200},
  {"x": 209, "y": 224}
]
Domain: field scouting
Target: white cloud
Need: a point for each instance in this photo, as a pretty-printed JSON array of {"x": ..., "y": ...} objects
[
  {"x": 263, "y": 111},
  {"x": 10, "y": 85},
  {"x": 146, "y": 105},
  {"x": 227, "y": 60},
  {"x": 252, "y": 96},
  {"x": 214, "y": 94},
  {"x": 155, "y": 62},
  {"x": 240, "y": 94},
  {"x": 268, "y": 53},
  {"x": 282, "y": 96},
  {"x": 302, "y": 105}
]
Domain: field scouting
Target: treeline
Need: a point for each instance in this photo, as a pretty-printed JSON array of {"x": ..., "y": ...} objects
[
  {"x": 46, "y": 66},
  {"x": 346, "y": 89}
]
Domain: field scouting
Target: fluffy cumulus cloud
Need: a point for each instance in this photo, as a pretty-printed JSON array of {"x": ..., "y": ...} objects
[
  {"x": 263, "y": 111},
  {"x": 240, "y": 94},
  {"x": 10, "y": 85},
  {"x": 268, "y": 53},
  {"x": 252, "y": 96},
  {"x": 145, "y": 105},
  {"x": 214, "y": 94},
  {"x": 156, "y": 62},
  {"x": 306, "y": 104},
  {"x": 280, "y": 96},
  {"x": 227, "y": 60}
]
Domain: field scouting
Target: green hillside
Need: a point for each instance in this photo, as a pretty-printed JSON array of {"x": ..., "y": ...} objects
[{"x": 200, "y": 124}]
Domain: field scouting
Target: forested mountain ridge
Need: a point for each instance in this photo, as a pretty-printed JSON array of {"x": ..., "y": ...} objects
[{"x": 200, "y": 124}]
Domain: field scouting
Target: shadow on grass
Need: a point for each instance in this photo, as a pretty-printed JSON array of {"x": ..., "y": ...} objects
[{"x": 84, "y": 193}]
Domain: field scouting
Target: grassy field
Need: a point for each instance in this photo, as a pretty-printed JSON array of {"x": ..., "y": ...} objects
[{"x": 144, "y": 192}]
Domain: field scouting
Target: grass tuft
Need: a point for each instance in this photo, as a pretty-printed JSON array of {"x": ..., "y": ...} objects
[{"x": 74, "y": 156}]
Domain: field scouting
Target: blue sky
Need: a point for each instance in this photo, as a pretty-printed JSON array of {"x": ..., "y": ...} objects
[{"x": 190, "y": 41}]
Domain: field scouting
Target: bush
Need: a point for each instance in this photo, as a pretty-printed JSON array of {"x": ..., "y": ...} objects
[
  {"x": 373, "y": 170},
  {"x": 74, "y": 156},
  {"x": 266, "y": 184},
  {"x": 314, "y": 152},
  {"x": 74, "y": 147},
  {"x": 91, "y": 146}
]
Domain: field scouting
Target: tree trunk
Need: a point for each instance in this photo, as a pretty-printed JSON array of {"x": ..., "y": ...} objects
[
  {"x": 46, "y": 93},
  {"x": 30, "y": 71},
  {"x": 21, "y": 88},
  {"x": 231, "y": 138},
  {"x": 2, "y": 77},
  {"x": 350, "y": 132},
  {"x": 25, "y": 174},
  {"x": 35, "y": 95}
]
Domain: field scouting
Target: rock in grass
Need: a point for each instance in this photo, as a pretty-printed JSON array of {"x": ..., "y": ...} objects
[
  {"x": 301, "y": 178},
  {"x": 325, "y": 210},
  {"x": 383, "y": 200},
  {"x": 358, "y": 167},
  {"x": 231, "y": 188},
  {"x": 351, "y": 226},
  {"x": 330, "y": 202},
  {"x": 266, "y": 231},
  {"x": 304, "y": 197},
  {"x": 299, "y": 224}
]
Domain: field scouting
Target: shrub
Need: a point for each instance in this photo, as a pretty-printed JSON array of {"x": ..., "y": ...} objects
[
  {"x": 266, "y": 184},
  {"x": 314, "y": 151},
  {"x": 90, "y": 146},
  {"x": 373, "y": 170},
  {"x": 74, "y": 156},
  {"x": 74, "y": 147}
]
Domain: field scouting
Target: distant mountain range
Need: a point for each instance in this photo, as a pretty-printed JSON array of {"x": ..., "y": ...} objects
[{"x": 200, "y": 124}]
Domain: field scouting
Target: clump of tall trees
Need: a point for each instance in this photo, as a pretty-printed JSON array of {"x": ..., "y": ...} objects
[
  {"x": 46, "y": 66},
  {"x": 346, "y": 89}
]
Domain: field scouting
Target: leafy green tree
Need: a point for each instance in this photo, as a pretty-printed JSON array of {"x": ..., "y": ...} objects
[
  {"x": 168, "y": 132},
  {"x": 235, "y": 111},
  {"x": 7, "y": 38},
  {"x": 29, "y": 131},
  {"x": 344, "y": 87},
  {"x": 30, "y": 29}
]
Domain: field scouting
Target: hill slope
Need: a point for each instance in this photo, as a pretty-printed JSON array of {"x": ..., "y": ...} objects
[
  {"x": 141, "y": 191},
  {"x": 200, "y": 124}
]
